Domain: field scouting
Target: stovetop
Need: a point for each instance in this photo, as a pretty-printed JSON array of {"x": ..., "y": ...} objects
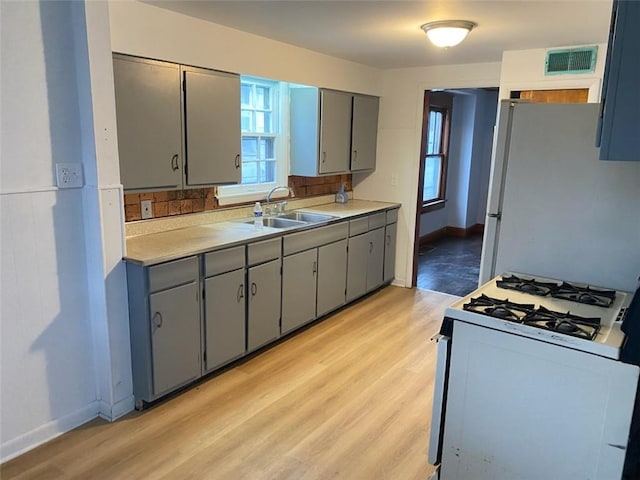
[{"x": 570, "y": 314}]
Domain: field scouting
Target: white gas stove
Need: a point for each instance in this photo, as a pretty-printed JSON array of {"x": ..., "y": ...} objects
[
  {"x": 533, "y": 368},
  {"x": 571, "y": 315}
]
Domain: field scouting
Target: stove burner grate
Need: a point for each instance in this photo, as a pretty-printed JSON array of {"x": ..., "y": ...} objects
[
  {"x": 588, "y": 295},
  {"x": 564, "y": 290},
  {"x": 566, "y": 323},
  {"x": 532, "y": 286}
]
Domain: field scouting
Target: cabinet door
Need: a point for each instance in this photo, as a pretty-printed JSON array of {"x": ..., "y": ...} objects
[
  {"x": 618, "y": 137},
  {"x": 390, "y": 252},
  {"x": 263, "y": 292},
  {"x": 332, "y": 276},
  {"x": 175, "y": 337},
  {"x": 299, "y": 274},
  {"x": 149, "y": 125},
  {"x": 224, "y": 318},
  {"x": 375, "y": 260},
  {"x": 212, "y": 125},
  {"x": 335, "y": 131},
  {"x": 357, "y": 266},
  {"x": 364, "y": 132}
]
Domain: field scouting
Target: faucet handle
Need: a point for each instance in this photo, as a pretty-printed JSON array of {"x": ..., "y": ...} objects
[{"x": 283, "y": 205}]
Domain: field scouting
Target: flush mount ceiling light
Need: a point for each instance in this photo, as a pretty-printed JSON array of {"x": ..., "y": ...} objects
[{"x": 447, "y": 33}]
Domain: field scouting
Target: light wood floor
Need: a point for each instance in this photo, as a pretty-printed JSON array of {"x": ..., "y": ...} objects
[{"x": 348, "y": 398}]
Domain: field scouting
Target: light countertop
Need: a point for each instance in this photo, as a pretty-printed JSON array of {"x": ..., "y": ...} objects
[{"x": 160, "y": 247}]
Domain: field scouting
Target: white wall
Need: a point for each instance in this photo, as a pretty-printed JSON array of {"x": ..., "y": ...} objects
[
  {"x": 63, "y": 291},
  {"x": 524, "y": 70},
  {"x": 399, "y": 132},
  {"x": 149, "y": 31}
]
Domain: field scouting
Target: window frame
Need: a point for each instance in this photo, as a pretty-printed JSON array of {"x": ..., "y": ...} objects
[
  {"x": 430, "y": 104},
  {"x": 242, "y": 193}
]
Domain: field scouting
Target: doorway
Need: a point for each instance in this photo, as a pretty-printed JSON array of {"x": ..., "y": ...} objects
[{"x": 455, "y": 161}]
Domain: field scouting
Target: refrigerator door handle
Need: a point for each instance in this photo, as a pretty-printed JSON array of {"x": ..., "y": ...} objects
[{"x": 495, "y": 215}]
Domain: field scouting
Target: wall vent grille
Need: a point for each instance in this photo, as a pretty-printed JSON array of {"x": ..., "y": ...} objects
[{"x": 571, "y": 61}]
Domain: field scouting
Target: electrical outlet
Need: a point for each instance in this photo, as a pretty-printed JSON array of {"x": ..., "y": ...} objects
[
  {"x": 69, "y": 175},
  {"x": 394, "y": 179},
  {"x": 145, "y": 208}
]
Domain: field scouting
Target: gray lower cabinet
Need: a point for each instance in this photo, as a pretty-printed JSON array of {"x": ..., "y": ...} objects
[
  {"x": 175, "y": 337},
  {"x": 375, "y": 258},
  {"x": 299, "y": 280},
  {"x": 224, "y": 318},
  {"x": 390, "y": 252},
  {"x": 332, "y": 277},
  {"x": 164, "y": 319},
  {"x": 263, "y": 304},
  {"x": 357, "y": 266}
]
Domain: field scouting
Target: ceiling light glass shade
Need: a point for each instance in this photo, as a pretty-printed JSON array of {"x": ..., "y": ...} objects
[{"x": 447, "y": 33}]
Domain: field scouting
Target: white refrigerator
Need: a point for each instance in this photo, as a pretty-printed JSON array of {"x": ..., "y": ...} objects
[{"x": 553, "y": 208}]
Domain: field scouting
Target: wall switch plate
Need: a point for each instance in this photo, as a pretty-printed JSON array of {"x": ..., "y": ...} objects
[
  {"x": 69, "y": 175},
  {"x": 145, "y": 209}
]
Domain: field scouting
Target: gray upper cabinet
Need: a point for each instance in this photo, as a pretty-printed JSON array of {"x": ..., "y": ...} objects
[
  {"x": 364, "y": 132},
  {"x": 335, "y": 131},
  {"x": 178, "y": 126},
  {"x": 212, "y": 127},
  {"x": 149, "y": 123},
  {"x": 618, "y": 137},
  {"x": 327, "y": 127}
]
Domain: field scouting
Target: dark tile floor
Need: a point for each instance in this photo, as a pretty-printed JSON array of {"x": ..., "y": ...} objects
[{"x": 450, "y": 265}]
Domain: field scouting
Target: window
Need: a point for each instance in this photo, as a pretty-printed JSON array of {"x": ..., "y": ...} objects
[
  {"x": 263, "y": 150},
  {"x": 434, "y": 154}
]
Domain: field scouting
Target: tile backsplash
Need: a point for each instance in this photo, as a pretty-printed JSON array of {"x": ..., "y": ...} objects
[{"x": 180, "y": 202}]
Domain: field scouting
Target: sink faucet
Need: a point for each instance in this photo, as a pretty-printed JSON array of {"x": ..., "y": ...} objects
[{"x": 283, "y": 204}]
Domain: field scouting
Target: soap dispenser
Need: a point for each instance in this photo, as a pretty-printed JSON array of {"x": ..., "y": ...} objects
[{"x": 341, "y": 196}]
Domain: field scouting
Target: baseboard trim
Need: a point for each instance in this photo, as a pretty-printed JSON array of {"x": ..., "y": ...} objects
[
  {"x": 458, "y": 232},
  {"x": 50, "y": 430},
  {"x": 117, "y": 410}
]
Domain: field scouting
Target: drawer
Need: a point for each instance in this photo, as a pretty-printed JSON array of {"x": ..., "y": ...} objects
[
  {"x": 392, "y": 216},
  {"x": 223, "y": 261},
  {"x": 171, "y": 274},
  {"x": 264, "y": 251},
  {"x": 297, "y": 242},
  {"x": 358, "y": 226},
  {"x": 377, "y": 220}
]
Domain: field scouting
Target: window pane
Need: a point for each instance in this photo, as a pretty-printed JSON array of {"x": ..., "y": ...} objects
[
  {"x": 249, "y": 148},
  {"x": 267, "y": 172},
  {"x": 434, "y": 135},
  {"x": 266, "y": 149},
  {"x": 263, "y": 122},
  {"x": 245, "y": 95},
  {"x": 432, "y": 169},
  {"x": 263, "y": 98},
  {"x": 245, "y": 120},
  {"x": 249, "y": 172}
]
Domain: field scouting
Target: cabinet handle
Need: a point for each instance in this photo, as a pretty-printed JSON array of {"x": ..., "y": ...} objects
[
  {"x": 240, "y": 292},
  {"x": 388, "y": 240},
  {"x": 324, "y": 157},
  {"x": 315, "y": 267},
  {"x": 370, "y": 247},
  {"x": 254, "y": 289},
  {"x": 174, "y": 162},
  {"x": 237, "y": 161},
  {"x": 355, "y": 155},
  {"x": 157, "y": 323}
]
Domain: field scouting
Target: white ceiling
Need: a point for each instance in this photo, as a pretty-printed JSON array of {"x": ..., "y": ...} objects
[{"x": 387, "y": 34}]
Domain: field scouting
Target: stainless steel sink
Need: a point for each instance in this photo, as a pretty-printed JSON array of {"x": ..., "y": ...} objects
[
  {"x": 279, "y": 222},
  {"x": 306, "y": 217}
]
